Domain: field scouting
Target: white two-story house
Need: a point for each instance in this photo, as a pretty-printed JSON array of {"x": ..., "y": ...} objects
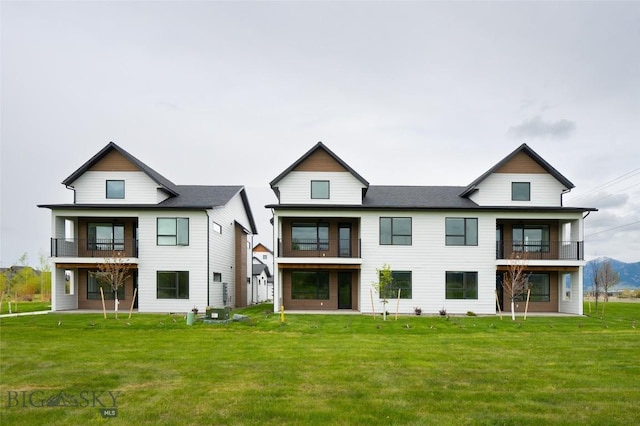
[
  {"x": 447, "y": 246},
  {"x": 187, "y": 246}
]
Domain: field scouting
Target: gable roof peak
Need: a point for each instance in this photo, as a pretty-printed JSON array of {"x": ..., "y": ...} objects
[
  {"x": 310, "y": 152},
  {"x": 526, "y": 149},
  {"x": 164, "y": 183}
]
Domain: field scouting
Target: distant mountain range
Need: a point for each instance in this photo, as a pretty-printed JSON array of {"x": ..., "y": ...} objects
[{"x": 629, "y": 273}]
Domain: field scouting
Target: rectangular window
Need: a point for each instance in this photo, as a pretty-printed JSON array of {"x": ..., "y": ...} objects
[
  {"x": 173, "y": 284},
  {"x": 69, "y": 285},
  {"x": 310, "y": 236},
  {"x": 539, "y": 285},
  {"x": 461, "y": 231},
  {"x": 320, "y": 189},
  {"x": 566, "y": 283},
  {"x": 173, "y": 231},
  {"x": 395, "y": 231},
  {"x": 216, "y": 227},
  {"x": 217, "y": 277},
  {"x": 461, "y": 285},
  {"x": 531, "y": 238},
  {"x": 309, "y": 285},
  {"x": 105, "y": 236},
  {"x": 115, "y": 189},
  {"x": 521, "y": 191},
  {"x": 69, "y": 231},
  {"x": 400, "y": 280},
  {"x": 93, "y": 288}
]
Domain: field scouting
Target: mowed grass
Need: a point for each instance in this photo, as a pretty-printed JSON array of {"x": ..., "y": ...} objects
[
  {"x": 22, "y": 307},
  {"x": 323, "y": 369}
]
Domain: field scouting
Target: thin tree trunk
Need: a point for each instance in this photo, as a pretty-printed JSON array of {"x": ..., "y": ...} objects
[{"x": 104, "y": 309}]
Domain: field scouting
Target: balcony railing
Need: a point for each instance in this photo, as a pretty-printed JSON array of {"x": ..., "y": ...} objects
[
  {"x": 319, "y": 248},
  {"x": 541, "y": 250},
  {"x": 73, "y": 247}
]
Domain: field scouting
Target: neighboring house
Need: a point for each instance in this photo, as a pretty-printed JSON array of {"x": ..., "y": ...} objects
[
  {"x": 261, "y": 288},
  {"x": 186, "y": 244},
  {"x": 262, "y": 280},
  {"x": 263, "y": 254},
  {"x": 447, "y": 246}
]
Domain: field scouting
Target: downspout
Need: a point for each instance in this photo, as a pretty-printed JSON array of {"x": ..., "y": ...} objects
[
  {"x": 566, "y": 191},
  {"x": 208, "y": 261},
  {"x": 251, "y": 276},
  {"x": 583, "y": 218},
  {"x": 74, "y": 192}
]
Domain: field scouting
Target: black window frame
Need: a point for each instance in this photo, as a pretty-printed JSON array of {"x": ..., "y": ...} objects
[
  {"x": 456, "y": 289},
  {"x": 537, "y": 294},
  {"x": 93, "y": 288},
  {"x": 105, "y": 244},
  {"x": 520, "y": 243},
  {"x": 164, "y": 292},
  {"x": 399, "y": 282},
  {"x": 181, "y": 238},
  {"x": 322, "y": 282},
  {"x": 394, "y": 238},
  {"x": 109, "y": 194},
  {"x": 314, "y": 193},
  {"x": 516, "y": 191},
  {"x": 317, "y": 243},
  {"x": 467, "y": 240}
]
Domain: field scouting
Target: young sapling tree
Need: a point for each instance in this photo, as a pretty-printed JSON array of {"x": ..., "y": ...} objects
[{"x": 114, "y": 272}]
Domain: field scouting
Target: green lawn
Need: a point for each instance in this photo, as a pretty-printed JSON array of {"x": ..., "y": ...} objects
[
  {"x": 22, "y": 307},
  {"x": 322, "y": 369}
]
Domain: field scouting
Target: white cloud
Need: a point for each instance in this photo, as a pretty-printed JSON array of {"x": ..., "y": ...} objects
[{"x": 536, "y": 127}]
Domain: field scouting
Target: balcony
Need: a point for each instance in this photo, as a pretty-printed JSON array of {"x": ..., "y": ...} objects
[
  {"x": 320, "y": 248},
  {"x": 70, "y": 247},
  {"x": 541, "y": 250}
]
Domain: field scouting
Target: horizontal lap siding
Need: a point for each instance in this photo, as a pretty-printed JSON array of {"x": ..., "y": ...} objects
[
  {"x": 60, "y": 301},
  {"x": 495, "y": 190},
  {"x": 344, "y": 188},
  {"x": 428, "y": 258},
  {"x": 222, "y": 249},
  {"x": 154, "y": 258},
  {"x": 139, "y": 188}
]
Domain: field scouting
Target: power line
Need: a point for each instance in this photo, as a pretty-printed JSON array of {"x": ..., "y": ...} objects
[
  {"x": 612, "y": 182},
  {"x": 613, "y": 229}
]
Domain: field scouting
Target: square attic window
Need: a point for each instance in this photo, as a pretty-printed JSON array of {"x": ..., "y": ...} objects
[
  {"x": 115, "y": 189},
  {"x": 320, "y": 189}
]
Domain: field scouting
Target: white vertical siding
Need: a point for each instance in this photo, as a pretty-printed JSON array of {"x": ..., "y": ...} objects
[
  {"x": 139, "y": 188},
  {"x": 344, "y": 188},
  {"x": 495, "y": 190}
]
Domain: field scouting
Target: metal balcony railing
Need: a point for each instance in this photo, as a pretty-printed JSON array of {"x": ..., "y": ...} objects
[
  {"x": 78, "y": 247},
  {"x": 319, "y": 248},
  {"x": 541, "y": 250}
]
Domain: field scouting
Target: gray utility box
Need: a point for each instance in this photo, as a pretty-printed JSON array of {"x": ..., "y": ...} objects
[{"x": 221, "y": 314}]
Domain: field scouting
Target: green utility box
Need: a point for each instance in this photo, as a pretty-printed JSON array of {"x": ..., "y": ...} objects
[{"x": 220, "y": 314}]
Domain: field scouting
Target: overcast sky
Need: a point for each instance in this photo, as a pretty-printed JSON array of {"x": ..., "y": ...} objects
[{"x": 407, "y": 93}]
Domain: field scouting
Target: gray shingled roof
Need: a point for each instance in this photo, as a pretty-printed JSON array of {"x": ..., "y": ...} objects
[
  {"x": 258, "y": 268},
  {"x": 190, "y": 196},
  {"x": 416, "y": 197}
]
